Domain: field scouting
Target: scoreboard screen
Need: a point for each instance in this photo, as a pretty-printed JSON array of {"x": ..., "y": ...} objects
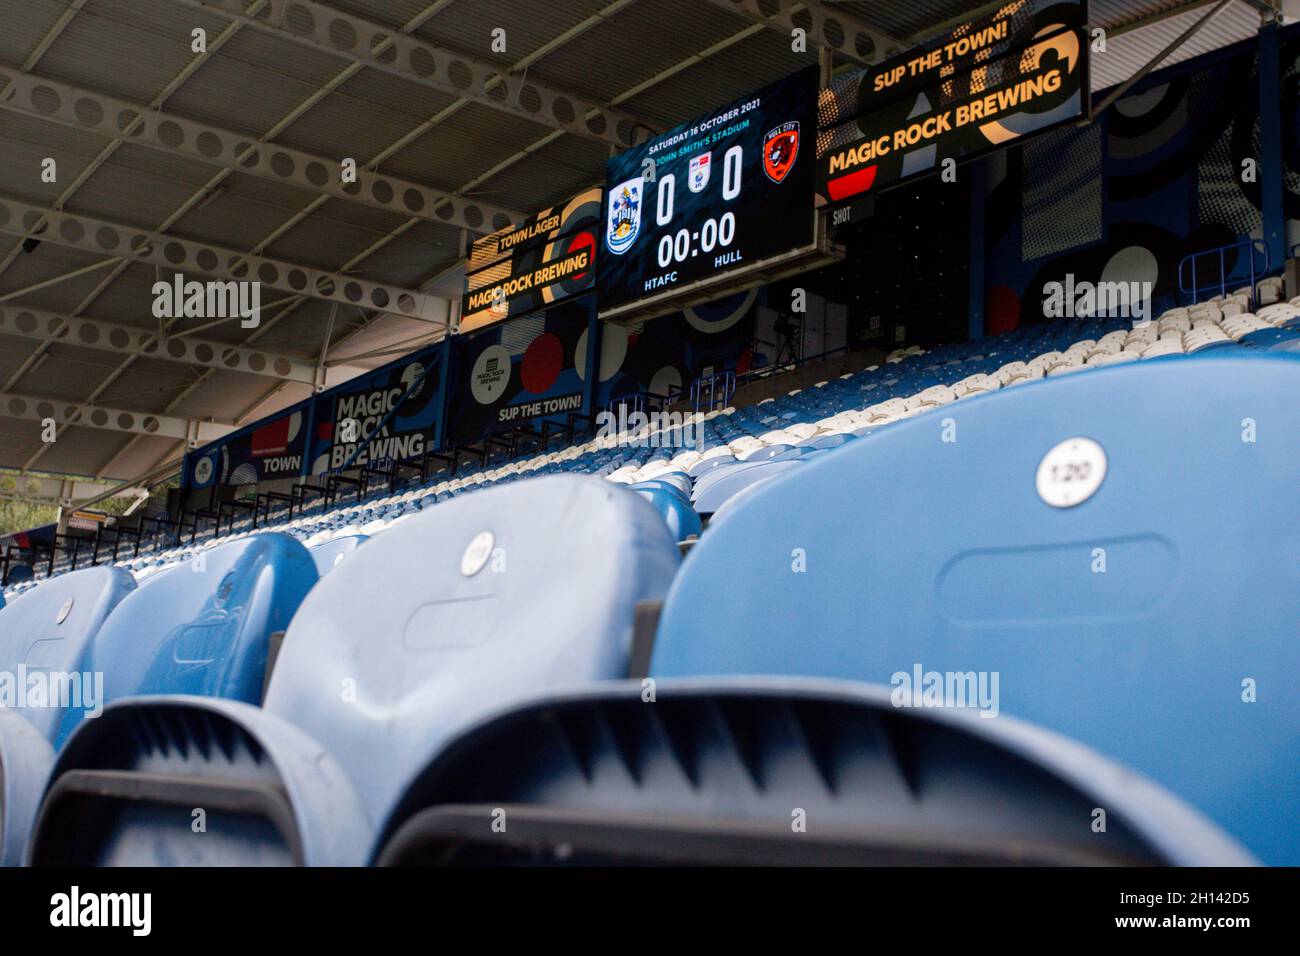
[{"x": 731, "y": 188}]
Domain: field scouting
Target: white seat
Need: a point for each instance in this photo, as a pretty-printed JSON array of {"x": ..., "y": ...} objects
[
  {"x": 801, "y": 430},
  {"x": 1113, "y": 358},
  {"x": 1166, "y": 346}
]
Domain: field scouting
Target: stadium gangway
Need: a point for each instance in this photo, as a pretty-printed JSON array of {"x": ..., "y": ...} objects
[
  {"x": 448, "y": 462},
  {"x": 477, "y": 454},
  {"x": 767, "y": 371},
  {"x": 333, "y": 484},
  {"x": 398, "y": 466},
  {"x": 521, "y": 433},
  {"x": 7, "y": 559},
  {"x": 264, "y": 505},
  {"x": 212, "y": 511},
  {"x": 299, "y": 493},
  {"x": 721, "y": 386},
  {"x": 372, "y": 475},
  {"x": 232, "y": 508},
  {"x": 1224, "y": 278},
  {"x": 636, "y": 402},
  {"x": 61, "y": 543},
  {"x": 162, "y": 523},
  {"x": 116, "y": 531}
]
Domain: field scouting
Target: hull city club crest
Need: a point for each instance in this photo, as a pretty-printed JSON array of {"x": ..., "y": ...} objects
[
  {"x": 700, "y": 167},
  {"x": 624, "y": 217},
  {"x": 780, "y": 150}
]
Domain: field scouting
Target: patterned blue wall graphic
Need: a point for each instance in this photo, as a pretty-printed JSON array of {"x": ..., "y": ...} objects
[{"x": 1171, "y": 184}]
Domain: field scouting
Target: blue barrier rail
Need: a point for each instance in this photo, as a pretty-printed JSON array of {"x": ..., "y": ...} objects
[
  {"x": 1223, "y": 279},
  {"x": 719, "y": 386}
]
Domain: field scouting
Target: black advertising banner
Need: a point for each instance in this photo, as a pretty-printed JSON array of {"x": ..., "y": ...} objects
[
  {"x": 518, "y": 373},
  {"x": 956, "y": 52},
  {"x": 531, "y": 267},
  {"x": 389, "y": 415},
  {"x": 271, "y": 448},
  {"x": 955, "y": 116},
  {"x": 726, "y": 190}
]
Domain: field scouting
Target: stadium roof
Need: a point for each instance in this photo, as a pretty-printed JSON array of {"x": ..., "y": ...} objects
[{"x": 225, "y": 163}]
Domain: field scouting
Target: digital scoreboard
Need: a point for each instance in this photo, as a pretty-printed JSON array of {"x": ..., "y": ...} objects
[{"x": 711, "y": 196}]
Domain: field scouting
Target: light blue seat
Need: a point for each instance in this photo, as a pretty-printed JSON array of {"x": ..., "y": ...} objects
[
  {"x": 465, "y": 609},
  {"x": 682, "y": 520},
  {"x": 827, "y": 441},
  {"x": 46, "y": 632},
  {"x": 1134, "y": 622},
  {"x": 204, "y": 627},
  {"x": 711, "y": 497},
  {"x": 334, "y": 551},
  {"x": 766, "y": 453},
  {"x": 20, "y": 574},
  {"x": 653, "y": 484},
  {"x": 1281, "y": 340},
  {"x": 721, "y": 774},
  {"x": 707, "y": 465}
]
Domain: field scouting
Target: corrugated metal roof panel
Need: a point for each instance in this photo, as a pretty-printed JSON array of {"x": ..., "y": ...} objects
[
  {"x": 1127, "y": 52},
  {"x": 26, "y": 26},
  {"x": 96, "y": 44},
  {"x": 726, "y": 76},
  {"x": 528, "y": 25},
  {"x": 639, "y": 42}
]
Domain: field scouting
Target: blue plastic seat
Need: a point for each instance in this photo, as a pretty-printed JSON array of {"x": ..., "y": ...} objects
[
  {"x": 711, "y": 496},
  {"x": 334, "y": 551},
  {"x": 682, "y": 520},
  {"x": 468, "y": 608},
  {"x": 204, "y": 627},
  {"x": 1154, "y": 622},
  {"x": 46, "y": 632},
  {"x": 764, "y": 772}
]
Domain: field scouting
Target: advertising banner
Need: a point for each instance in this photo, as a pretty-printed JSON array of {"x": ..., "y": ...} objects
[
  {"x": 523, "y": 372},
  {"x": 527, "y": 268},
  {"x": 909, "y": 117}
]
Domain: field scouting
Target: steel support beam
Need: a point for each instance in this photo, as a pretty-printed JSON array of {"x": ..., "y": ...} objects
[
  {"x": 66, "y": 413},
  {"x": 60, "y": 492},
  {"x": 132, "y": 340},
  {"x": 387, "y": 49},
  {"x": 181, "y": 255},
  {"x": 134, "y": 123},
  {"x": 826, "y": 27}
]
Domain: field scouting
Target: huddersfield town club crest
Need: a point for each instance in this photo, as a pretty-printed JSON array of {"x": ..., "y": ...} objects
[
  {"x": 624, "y": 219},
  {"x": 700, "y": 166},
  {"x": 780, "y": 150}
]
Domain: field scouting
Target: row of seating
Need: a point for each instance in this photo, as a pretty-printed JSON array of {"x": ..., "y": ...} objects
[
  {"x": 497, "y": 628},
  {"x": 776, "y": 435}
]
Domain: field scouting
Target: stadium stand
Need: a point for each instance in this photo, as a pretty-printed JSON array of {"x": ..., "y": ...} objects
[
  {"x": 1025, "y": 566},
  {"x": 765, "y": 436},
  {"x": 463, "y": 631},
  {"x": 920, "y": 570}
]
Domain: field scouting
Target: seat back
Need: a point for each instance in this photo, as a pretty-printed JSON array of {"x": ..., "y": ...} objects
[
  {"x": 682, "y": 520},
  {"x": 334, "y": 551},
  {"x": 1153, "y": 619},
  {"x": 47, "y": 632},
  {"x": 770, "y": 772},
  {"x": 463, "y": 609},
  {"x": 204, "y": 626}
]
